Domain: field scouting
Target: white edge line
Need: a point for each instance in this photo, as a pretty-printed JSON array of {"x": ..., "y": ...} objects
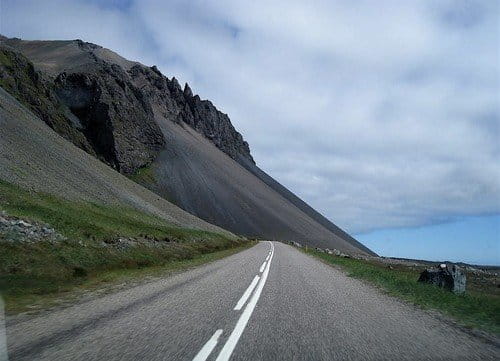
[
  {"x": 262, "y": 267},
  {"x": 207, "y": 349},
  {"x": 247, "y": 294},
  {"x": 233, "y": 339}
]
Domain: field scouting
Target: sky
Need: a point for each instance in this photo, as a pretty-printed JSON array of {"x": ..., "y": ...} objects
[{"x": 382, "y": 115}]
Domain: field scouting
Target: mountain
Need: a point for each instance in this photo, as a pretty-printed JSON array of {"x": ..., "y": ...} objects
[
  {"x": 145, "y": 126},
  {"x": 37, "y": 158}
]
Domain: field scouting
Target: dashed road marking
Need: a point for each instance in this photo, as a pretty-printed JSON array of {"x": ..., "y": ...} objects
[
  {"x": 233, "y": 339},
  {"x": 207, "y": 349},
  {"x": 246, "y": 294},
  {"x": 262, "y": 267}
]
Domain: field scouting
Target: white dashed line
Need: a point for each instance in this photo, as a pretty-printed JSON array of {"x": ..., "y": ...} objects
[
  {"x": 247, "y": 294},
  {"x": 231, "y": 342},
  {"x": 262, "y": 267},
  {"x": 208, "y": 347}
]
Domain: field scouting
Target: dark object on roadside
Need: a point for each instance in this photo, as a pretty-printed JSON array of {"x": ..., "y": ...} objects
[
  {"x": 79, "y": 272},
  {"x": 450, "y": 278}
]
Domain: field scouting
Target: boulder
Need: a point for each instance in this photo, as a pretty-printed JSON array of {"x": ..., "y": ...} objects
[{"x": 450, "y": 278}]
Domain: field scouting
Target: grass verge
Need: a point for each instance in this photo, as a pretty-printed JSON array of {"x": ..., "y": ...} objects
[
  {"x": 92, "y": 253},
  {"x": 42, "y": 294},
  {"x": 473, "y": 309}
]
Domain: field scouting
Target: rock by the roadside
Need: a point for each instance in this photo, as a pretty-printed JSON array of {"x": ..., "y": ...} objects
[
  {"x": 15, "y": 230},
  {"x": 450, "y": 278},
  {"x": 23, "y": 224}
]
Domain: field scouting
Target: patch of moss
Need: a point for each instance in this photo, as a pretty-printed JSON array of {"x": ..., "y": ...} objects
[{"x": 144, "y": 175}]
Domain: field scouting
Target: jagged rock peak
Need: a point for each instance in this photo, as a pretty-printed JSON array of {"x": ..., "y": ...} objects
[
  {"x": 175, "y": 83},
  {"x": 187, "y": 91},
  {"x": 156, "y": 70},
  {"x": 86, "y": 46}
]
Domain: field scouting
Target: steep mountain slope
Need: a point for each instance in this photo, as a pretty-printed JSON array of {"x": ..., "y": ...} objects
[
  {"x": 300, "y": 204},
  {"x": 145, "y": 125},
  {"x": 37, "y": 158}
]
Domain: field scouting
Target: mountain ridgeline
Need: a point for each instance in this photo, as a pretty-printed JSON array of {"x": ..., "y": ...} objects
[{"x": 147, "y": 127}]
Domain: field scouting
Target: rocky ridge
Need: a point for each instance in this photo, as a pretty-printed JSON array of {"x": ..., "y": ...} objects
[{"x": 108, "y": 108}]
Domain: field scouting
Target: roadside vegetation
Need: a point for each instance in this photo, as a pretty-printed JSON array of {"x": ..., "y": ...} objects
[
  {"x": 479, "y": 307},
  {"x": 99, "y": 244}
]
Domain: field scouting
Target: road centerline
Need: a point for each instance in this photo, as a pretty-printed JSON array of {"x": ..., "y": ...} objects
[
  {"x": 247, "y": 294},
  {"x": 262, "y": 267},
  {"x": 209, "y": 346},
  {"x": 233, "y": 339}
]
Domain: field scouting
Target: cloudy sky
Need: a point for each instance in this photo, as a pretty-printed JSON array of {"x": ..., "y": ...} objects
[{"x": 383, "y": 115}]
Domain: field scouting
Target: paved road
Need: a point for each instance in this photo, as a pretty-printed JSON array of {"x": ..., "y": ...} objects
[{"x": 299, "y": 309}]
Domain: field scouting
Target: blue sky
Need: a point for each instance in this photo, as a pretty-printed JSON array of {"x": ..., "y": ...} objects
[
  {"x": 383, "y": 115},
  {"x": 470, "y": 239}
]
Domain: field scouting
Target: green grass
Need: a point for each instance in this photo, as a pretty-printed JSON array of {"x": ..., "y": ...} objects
[
  {"x": 90, "y": 221},
  {"x": 144, "y": 175},
  {"x": 5, "y": 60},
  {"x": 34, "y": 271},
  {"x": 472, "y": 309},
  {"x": 38, "y": 293}
]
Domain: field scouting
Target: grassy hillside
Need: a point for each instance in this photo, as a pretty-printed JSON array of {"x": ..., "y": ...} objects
[
  {"x": 99, "y": 241},
  {"x": 478, "y": 307}
]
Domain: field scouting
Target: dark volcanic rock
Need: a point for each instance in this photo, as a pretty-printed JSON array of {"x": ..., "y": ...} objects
[
  {"x": 178, "y": 105},
  {"x": 96, "y": 107},
  {"x": 19, "y": 77},
  {"x": 450, "y": 278},
  {"x": 216, "y": 126},
  {"x": 115, "y": 115},
  {"x": 113, "y": 102}
]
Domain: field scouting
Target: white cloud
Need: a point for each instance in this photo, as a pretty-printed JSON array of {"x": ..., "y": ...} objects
[{"x": 379, "y": 114}]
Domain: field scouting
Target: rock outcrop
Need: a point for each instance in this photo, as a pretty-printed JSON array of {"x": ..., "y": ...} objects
[
  {"x": 36, "y": 91},
  {"x": 181, "y": 106},
  {"x": 94, "y": 106},
  {"x": 114, "y": 114},
  {"x": 451, "y": 278}
]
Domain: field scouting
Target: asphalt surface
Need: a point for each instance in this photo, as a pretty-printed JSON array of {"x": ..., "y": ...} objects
[{"x": 299, "y": 309}]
